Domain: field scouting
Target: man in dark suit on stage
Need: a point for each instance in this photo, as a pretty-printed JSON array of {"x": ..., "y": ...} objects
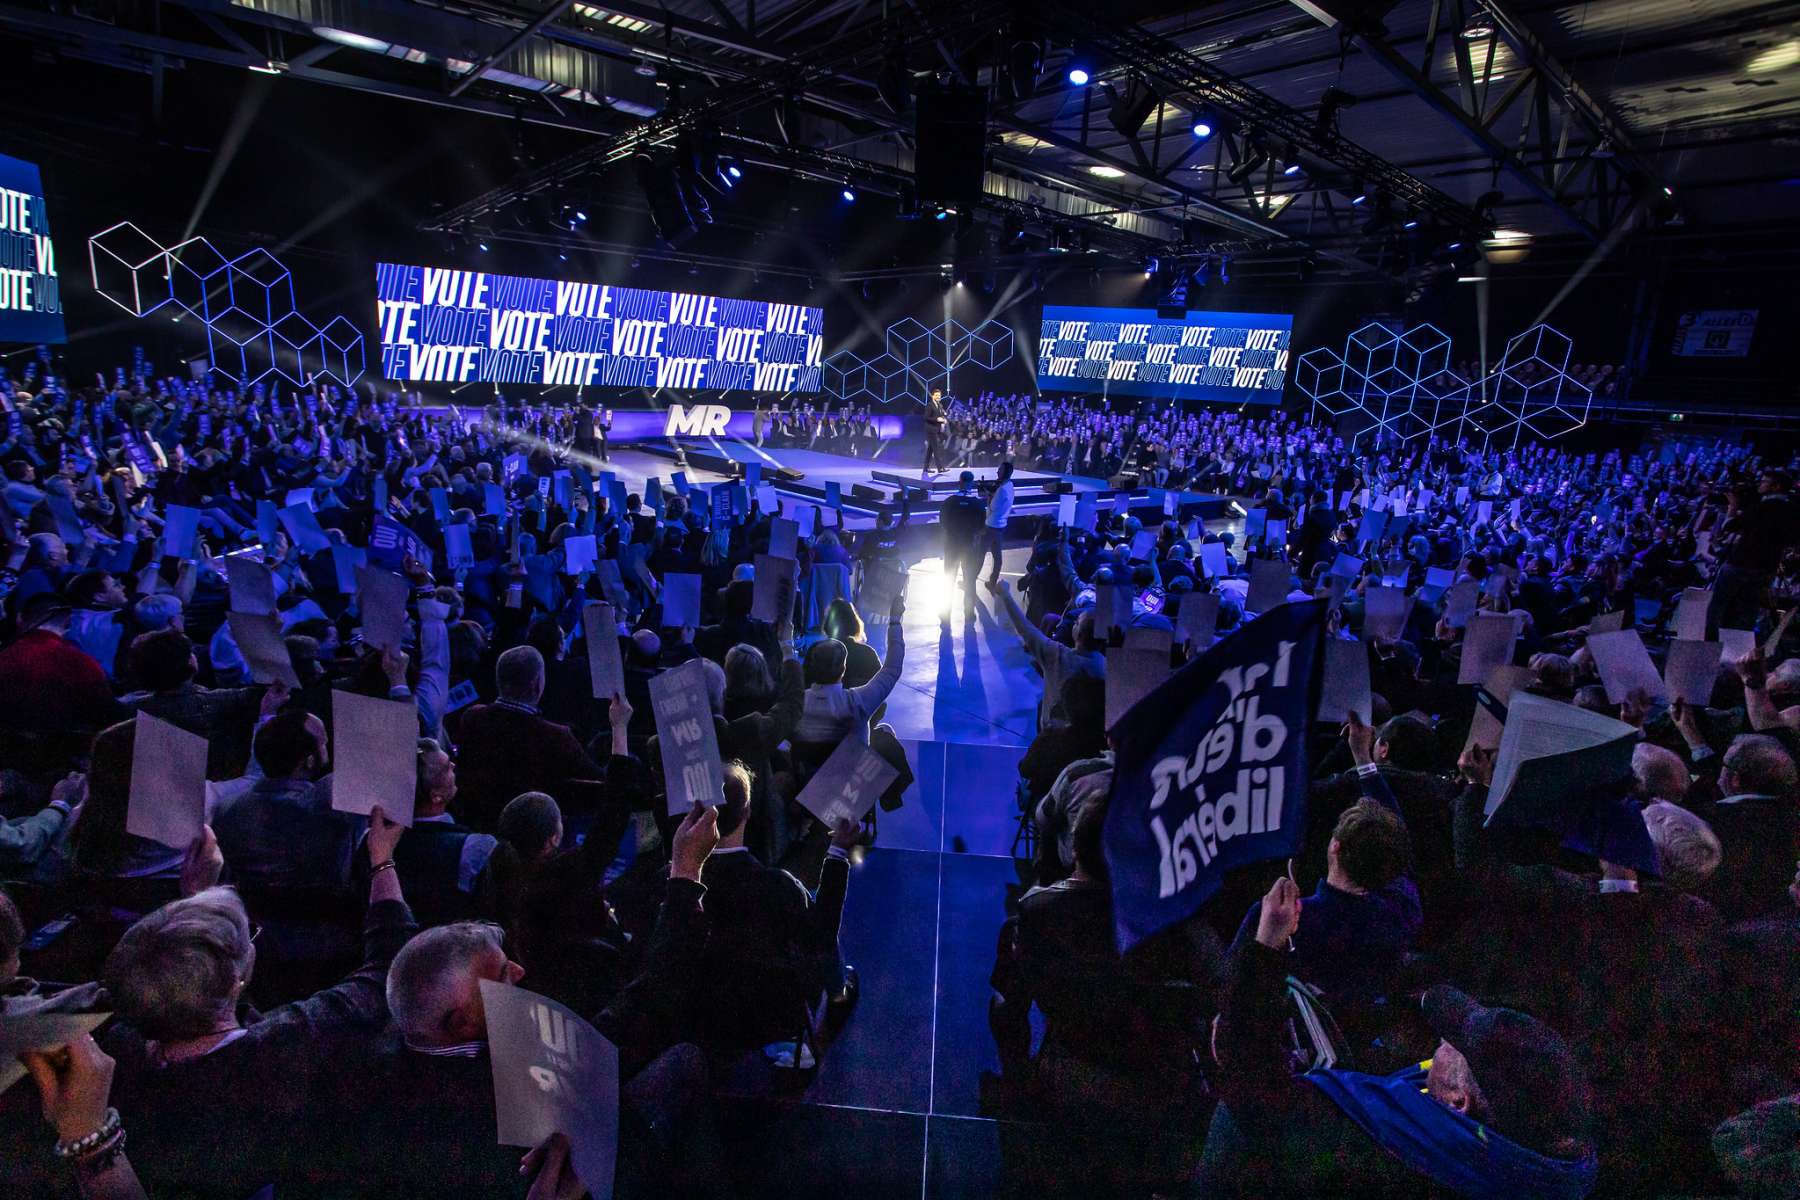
[{"x": 934, "y": 431}]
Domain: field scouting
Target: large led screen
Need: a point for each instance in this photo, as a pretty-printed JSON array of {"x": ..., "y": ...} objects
[
  {"x": 1229, "y": 356},
  {"x": 440, "y": 325},
  {"x": 30, "y": 293}
]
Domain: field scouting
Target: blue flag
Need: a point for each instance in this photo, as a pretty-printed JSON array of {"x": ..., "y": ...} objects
[{"x": 1211, "y": 770}]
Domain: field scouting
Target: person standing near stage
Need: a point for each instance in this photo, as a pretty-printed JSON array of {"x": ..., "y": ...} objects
[
  {"x": 602, "y": 427},
  {"x": 964, "y": 519},
  {"x": 934, "y": 433},
  {"x": 759, "y": 423},
  {"x": 993, "y": 535}
]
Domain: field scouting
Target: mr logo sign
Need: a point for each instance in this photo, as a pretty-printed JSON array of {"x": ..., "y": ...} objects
[{"x": 697, "y": 420}]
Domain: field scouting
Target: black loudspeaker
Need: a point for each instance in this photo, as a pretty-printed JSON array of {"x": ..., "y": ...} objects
[
  {"x": 862, "y": 491},
  {"x": 951, "y": 136}
]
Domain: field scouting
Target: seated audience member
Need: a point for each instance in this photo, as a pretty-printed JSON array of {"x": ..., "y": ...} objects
[
  {"x": 1120, "y": 1035},
  {"x": 1053, "y": 660},
  {"x": 507, "y": 748},
  {"x": 440, "y": 862},
  {"x": 213, "y": 1091},
  {"x": 833, "y": 711},
  {"x": 164, "y": 665},
  {"x": 103, "y": 848},
  {"x": 1503, "y": 1108},
  {"x": 283, "y": 832},
  {"x": 51, "y": 685},
  {"x": 772, "y": 948},
  {"x": 1757, "y": 821},
  {"x": 1081, "y": 735},
  {"x": 29, "y": 841},
  {"x": 843, "y": 623},
  {"x": 436, "y": 1116}
]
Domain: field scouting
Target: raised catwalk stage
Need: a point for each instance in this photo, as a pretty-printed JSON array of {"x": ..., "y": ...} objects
[{"x": 870, "y": 488}]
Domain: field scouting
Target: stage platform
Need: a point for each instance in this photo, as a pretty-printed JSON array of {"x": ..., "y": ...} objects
[{"x": 870, "y": 488}]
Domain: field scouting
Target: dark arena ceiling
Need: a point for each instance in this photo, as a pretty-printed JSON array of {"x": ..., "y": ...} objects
[{"x": 1346, "y": 139}]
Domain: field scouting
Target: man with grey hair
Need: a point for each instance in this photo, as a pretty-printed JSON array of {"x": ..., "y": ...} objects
[
  {"x": 435, "y": 1079},
  {"x": 212, "y": 1090},
  {"x": 1661, "y": 775},
  {"x": 1757, "y": 820},
  {"x": 508, "y": 747}
]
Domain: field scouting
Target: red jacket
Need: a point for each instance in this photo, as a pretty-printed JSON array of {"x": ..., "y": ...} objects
[{"x": 48, "y": 685}]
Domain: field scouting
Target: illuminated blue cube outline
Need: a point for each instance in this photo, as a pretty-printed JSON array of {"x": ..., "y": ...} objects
[
  {"x": 915, "y": 358},
  {"x": 253, "y": 325},
  {"x": 1403, "y": 385}
]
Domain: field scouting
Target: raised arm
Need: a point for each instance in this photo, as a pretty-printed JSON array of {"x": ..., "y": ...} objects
[
  {"x": 867, "y": 698},
  {"x": 1036, "y": 644}
]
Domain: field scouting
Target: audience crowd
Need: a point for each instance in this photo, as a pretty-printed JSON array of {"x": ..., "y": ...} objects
[{"x": 1420, "y": 1003}]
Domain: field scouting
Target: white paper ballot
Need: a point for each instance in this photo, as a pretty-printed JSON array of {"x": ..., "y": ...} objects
[
  {"x": 606, "y": 670},
  {"x": 847, "y": 785},
  {"x": 259, "y": 640},
  {"x": 806, "y": 516},
  {"x": 1065, "y": 509},
  {"x": 1610, "y": 622},
  {"x": 1130, "y": 676},
  {"x": 374, "y": 755},
  {"x": 459, "y": 550},
  {"x": 1624, "y": 665},
  {"x": 1384, "y": 613},
  {"x": 580, "y": 553},
  {"x": 1346, "y": 686},
  {"x": 553, "y": 1073},
  {"x": 381, "y": 599},
  {"x": 1270, "y": 581},
  {"x": 167, "y": 801},
  {"x": 1735, "y": 645},
  {"x": 772, "y": 593},
  {"x": 1112, "y": 609},
  {"x": 1346, "y": 566},
  {"x": 251, "y": 586},
  {"x": 1501, "y": 683},
  {"x": 686, "y": 740},
  {"x": 681, "y": 601},
  {"x": 1143, "y": 637},
  {"x": 1213, "y": 560},
  {"x": 1690, "y": 615},
  {"x": 1488, "y": 642},
  {"x": 784, "y": 537},
  {"x": 1691, "y": 670},
  {"x": 1537, "y": 727},
  {"x": 1143, "y": 545},
  {"x": 1197, "y": 620},
  {"x": 1460, "y": 601}
]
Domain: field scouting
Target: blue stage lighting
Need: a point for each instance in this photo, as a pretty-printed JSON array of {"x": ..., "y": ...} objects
[
  {"x": 1078, "y": 76},
  {"x": 1202, "y": 129},
  {"x": 734, "y": 171},
  {"x": 481, "y": 246},
  {"x": 849, "y": 195}
]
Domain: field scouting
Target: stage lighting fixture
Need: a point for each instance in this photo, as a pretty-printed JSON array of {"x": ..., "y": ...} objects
[
  {"x": 668, "y": 201},
  {"x": 1253, "y": 156},
  {"x": 734, "y": 171},
  {"x": 1410, "y": 223},
  {"x": 1132, "y": 106},
  {"x": 561, "y": 257},
  {"x": 1203, "y": 127},
  {"x": 1080, "y": 68},
  {"x": 1024, "y": 63},
  {"x": 1290, "y": 162},
  {"x": 1077, "y": 75},
  {"x": 1334, "y": 101},
  {"x": 1479, "y": 25},
  {"x": 1225, "y": 268},
  {"x": 580, "y": 216},
  {"x": 849, "y": 194},
  {"x": 1358, "y": 197},
  {"x": 482, "y": 246},
  {"x": 1106, "y": 172},
  {"x": 1012, "y": 229},
  {"x": 893, "y": 83}
]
